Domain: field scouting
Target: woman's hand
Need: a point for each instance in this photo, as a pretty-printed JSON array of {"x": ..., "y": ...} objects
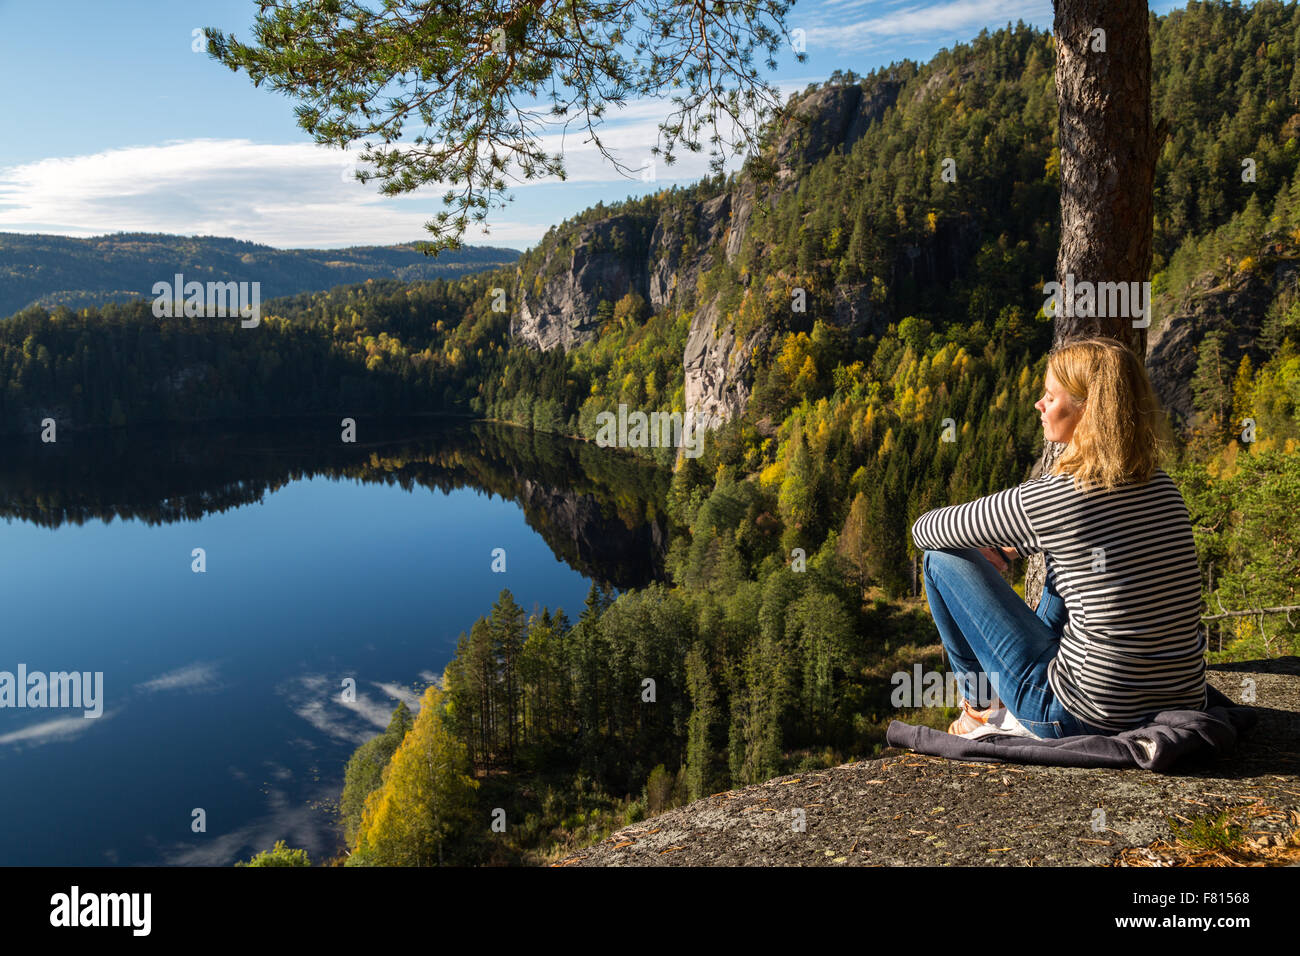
[{"x": 1000, "y": 558}]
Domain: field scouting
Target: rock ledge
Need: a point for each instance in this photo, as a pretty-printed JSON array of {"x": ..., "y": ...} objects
[{"x": 902, "y": 809}]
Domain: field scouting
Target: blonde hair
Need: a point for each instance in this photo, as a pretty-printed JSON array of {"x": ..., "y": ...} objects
[{"x": 1122, "y": 431}]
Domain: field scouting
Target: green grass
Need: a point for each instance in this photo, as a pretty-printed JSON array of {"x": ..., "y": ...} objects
[{"x": 1210, "y": 832}]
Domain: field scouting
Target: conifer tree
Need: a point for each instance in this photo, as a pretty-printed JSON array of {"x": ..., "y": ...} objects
[
  {"x": 1292, "y": 219},
  {"x": 508, "y": 642},
  {"x": 1280, "y": 217},
  {"x": 702, "y": 770},
  {"x": 854, "y": 538},
  {"x": 480, "y": 678},
  {"x": 1242, "y": 398},
  {"x": 796, "y": 500},
  {"x": 886, "y": 556},
  {"x": 1212, "y": 386},
  {"x": 1248, "y": 228}
]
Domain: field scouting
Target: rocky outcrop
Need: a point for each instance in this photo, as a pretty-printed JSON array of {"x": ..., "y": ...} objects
[
  {"x": 718, "y": 363},
  {"x": 670, "y": 268},
  {"x": 606, "y": 262},
  {"x": 1236, "y": 306},
  {"x": 937, "y": 80},
  {"x": 903, "y": 809},
  {"x": 718, "y": 369},
  {"x": 834, "y": 116},
  {"x": 671, "y": 253}
]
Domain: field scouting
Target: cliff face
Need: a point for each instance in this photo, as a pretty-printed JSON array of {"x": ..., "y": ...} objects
[
  {"x": 904, "y": 809},
  {"x": 602, "y": 265},
  {"x": 661, "y": 256},
  {"x": 1236, "y": 306},
  {"x": 561, "y": 310}
]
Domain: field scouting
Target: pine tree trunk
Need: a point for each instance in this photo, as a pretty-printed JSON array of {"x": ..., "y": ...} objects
[{"x": 1108, "y": 152}]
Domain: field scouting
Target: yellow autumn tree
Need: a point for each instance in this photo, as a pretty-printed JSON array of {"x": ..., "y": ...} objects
[
  {"x": 427, "y": 796},
  {"x": 887, "y": 446},
  {"x": 795, "y": 352},
  {"x": 1242, "y": 387},
  {"x": 806, "y": 379}
]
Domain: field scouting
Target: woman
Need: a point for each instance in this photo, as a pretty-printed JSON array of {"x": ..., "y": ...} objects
[{"x": 1116, "y": 638}]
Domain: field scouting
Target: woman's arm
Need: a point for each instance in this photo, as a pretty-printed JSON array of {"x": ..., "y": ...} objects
[{"x": 993, "y": 521}]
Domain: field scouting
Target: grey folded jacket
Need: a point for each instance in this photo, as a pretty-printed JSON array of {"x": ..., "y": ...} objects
[{"x": 1171, "y": 736}]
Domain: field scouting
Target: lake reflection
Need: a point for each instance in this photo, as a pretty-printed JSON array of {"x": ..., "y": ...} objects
[{"x": 324, "y": 561}]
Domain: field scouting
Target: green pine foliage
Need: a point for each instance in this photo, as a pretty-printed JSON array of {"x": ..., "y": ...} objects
[
  {"x": 789, "y": 597},
  {"x": 773, "y": 669}
]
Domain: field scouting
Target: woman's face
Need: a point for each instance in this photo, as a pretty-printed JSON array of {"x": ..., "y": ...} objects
[{"x": 1057, "y": 410}]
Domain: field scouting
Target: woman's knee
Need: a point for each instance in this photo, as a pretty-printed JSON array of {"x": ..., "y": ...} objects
[
  {"x": 934, "y": 562},
  {"x": 931, "y": 561},
  {"x": 939, "y": 557}
]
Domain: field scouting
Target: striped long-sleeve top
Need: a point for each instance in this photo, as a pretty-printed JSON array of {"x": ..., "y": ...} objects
[{"x": 1125, "y": 564}]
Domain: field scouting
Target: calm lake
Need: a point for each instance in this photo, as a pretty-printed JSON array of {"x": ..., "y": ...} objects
[{"x": 223, "y": 690}]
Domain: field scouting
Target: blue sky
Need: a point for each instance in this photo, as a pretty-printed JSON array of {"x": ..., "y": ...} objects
[{"x": 112, "y": 122}]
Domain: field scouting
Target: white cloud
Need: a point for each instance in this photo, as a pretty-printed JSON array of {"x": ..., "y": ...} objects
[
  {"x": 190, "y": 677},
  {"x": 398, "y": 692},
  {"x": 296, "y": 194},
  {"x": 49, "y": 731},
  {"x": 302, "y": 194},
  {"x": 855, "y": 26},
  {"x": 296, "y": 820},
  {"x": 318, "y": 700},
  {"x": 283, "y": 195}
]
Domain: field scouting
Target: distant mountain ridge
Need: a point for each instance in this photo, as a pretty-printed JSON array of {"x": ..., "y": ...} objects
[{"x": 51, "y": 270}]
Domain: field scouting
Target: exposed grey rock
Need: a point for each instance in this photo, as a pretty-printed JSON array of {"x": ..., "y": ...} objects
[
  {"x": 837, "y": 116},
  {"x": 855, "y": 311},
  {"x": 1236, "y": 306},
  {"x": 563, "y": 313},
  {"x": 907, "y": 809},
  {"x": 742, "y": 210},
  {"x": 669, "y": 271},
  {"x": 938, "y": 80},
  {"x": 718, "y": 368}
]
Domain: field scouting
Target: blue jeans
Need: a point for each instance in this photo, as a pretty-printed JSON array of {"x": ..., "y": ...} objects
[{"x": 988, "y": 629}]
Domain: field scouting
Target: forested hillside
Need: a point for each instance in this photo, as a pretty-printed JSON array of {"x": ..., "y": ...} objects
[
  {"x": 761, "y": 669},
  {"x": 789, "y": 600},
  {"x": 59, "y": 270}
]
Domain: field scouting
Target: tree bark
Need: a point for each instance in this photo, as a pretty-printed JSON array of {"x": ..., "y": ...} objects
[{"x": 1108, "y": 151}]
